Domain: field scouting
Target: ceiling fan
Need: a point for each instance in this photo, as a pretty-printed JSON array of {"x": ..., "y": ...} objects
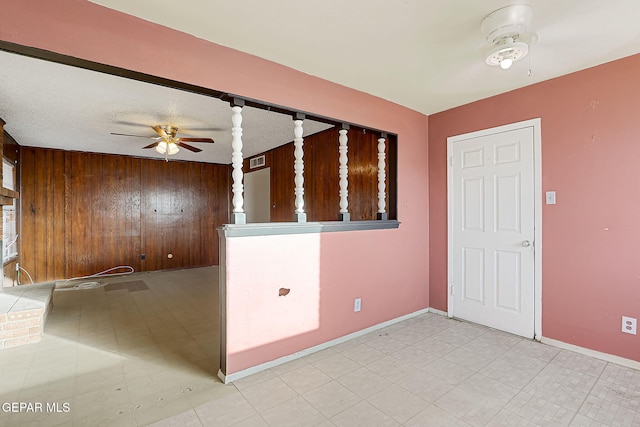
[{"x": 166, "y": 142}]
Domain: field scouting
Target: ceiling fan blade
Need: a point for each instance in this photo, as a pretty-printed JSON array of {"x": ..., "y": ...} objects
[
  {"x": 188, "y": 147},
  {"x": 151, "y": 145},
  {"x": 209, "y": 140},
  {"x": 137, "y": 136}
]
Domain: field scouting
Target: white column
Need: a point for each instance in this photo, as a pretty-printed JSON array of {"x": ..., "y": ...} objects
[
  {"x": 382, "y": 175},
  {"x": 343, "y": 173},
  {"x": 298, "y": 167},
  {"x": 239, "y": 216}
]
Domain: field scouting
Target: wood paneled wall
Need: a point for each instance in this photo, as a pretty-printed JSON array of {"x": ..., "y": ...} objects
[
  {"x": 321, "y": 178},
  {"x": 83, "y": 213}
]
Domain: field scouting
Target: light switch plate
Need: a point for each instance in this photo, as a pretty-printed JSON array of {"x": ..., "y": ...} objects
[{"x": 551, "y": 197}]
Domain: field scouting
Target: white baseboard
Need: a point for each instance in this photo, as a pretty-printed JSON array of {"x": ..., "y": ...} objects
[
  {"x": 593, "y": 353},
  {"x": 439, "y": 312},
  {"x": 226, "y": 379}
]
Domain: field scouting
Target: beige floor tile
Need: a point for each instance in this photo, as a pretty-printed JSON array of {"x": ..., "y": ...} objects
[
  {"x": 583, "y": 421},
  {"x": 432, "y": 416},
  {"x": 206, "y": 390},
  {"x": 134, "y": 358},
  {"x": 434, "y": 347},
  {"x": 415, "y": 357},
  {"x": 363, "y": 354},
  {"x": 225, "y": 411},
  {"x": 447, "y": 371},
  {"x": 561, "y": 386},
  {"x": 535, "y": 349},
  {"x": 331, "y": 398},
  {"x": 469, "y": 329},
  {"x": 293, "y": 413},
  {"x": 289, "y": 366},
  {"x": 391, "y": 369},
  {"x": 613, "y": 404},
  {"x": 363, "y": 414},
  {"x": 319, "y": 355},
  {"x": 506, "y": 418},
  {"x": 500, "y": 339},
  {"x": 253, "y": 421},
  {"x": 514, "y": 376},
  {"x": 40, "y": 419},
  {"x": 363, "y": 382},
  {"x": 187, "y": 418},
  {"x": 451, "y": 337},
  {"x": 99, "y": 378},
  {"x": 465, "y": 404},
  {"x": 305, "y": 378},
  {"x": 53, "y": 391},
  {"x": 115, "y": 396},
  {"x": 160, "y": 408},
  {"x": 336, "y": 365},
  {"x": 268, "y": 394},
  {"x": 386, "y": 344},
  {"x": 462, "y": 356},
  {"x": 425, "y": 386},
  {"x": 407, "y": 335},
  {"x": 398, "y": 403},
  {"x": 108, "y": 415},
  {"x": 540, "y": 411},
  {"x": 255, "y": 379},
  {"x": 11, "y": 384},
  {"x": 579, "y": 362},
  {"x": 486, "y": 349}
]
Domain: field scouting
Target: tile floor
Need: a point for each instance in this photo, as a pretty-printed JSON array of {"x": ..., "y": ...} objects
[{"x": 132, "y": 357}]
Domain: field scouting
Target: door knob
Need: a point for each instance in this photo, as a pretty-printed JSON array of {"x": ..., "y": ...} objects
[{"x": 526, "y": 243}]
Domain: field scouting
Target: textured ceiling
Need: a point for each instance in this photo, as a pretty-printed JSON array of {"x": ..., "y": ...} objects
[
  {"x": 423, "y": 54},
  {"x": 57, "y": 106}
]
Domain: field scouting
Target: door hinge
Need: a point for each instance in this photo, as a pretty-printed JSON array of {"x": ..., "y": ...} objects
[
  {"x": 452, "y": 290},
  {"x": 450, "y": 161}
]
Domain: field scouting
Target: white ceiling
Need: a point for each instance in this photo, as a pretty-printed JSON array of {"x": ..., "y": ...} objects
[
  {"x": 46, "y": 104},
  {"x": 423, "y": 54}
]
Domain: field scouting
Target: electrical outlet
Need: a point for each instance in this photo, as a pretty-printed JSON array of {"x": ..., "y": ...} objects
[
  {"x": 357, "y": 305},
  {"x": 143, "y": 257},
  {"x": 629, "y": 325}
]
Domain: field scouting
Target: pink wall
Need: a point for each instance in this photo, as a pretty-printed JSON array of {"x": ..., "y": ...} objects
[
  {"x": 325, "y": 273},
  {"x": 590, "y": 156},
  {"x": 388, "y": 269}
]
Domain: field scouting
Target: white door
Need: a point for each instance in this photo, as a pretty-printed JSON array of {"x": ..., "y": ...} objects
[
  {"x": 492, "y": 204},
  {"x": 257, "y": 195}
]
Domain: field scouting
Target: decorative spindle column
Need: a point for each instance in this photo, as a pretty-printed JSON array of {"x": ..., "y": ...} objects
[
  {"x": 344, "y": 174},
  {"x": 382, "y": 176},
  {"x": 298, "y": 167},
  {"x": 239, "y": 216}
]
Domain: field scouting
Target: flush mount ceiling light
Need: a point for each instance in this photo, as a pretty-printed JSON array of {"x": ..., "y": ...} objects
[{"x": 507, "y": 31}]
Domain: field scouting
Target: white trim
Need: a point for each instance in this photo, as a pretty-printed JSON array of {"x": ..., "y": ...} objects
[
  {"x": 537, "y": 170},
  {"x": 226, "y": 379},
  {"x": 438, "y": 312},
  {"x": 611, "y": 358}
]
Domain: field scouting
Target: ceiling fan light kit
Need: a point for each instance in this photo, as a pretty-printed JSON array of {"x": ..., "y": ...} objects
[
  {"x": 166, "y": 141},
  {"x": 167, "y": 148},
  {"x": 508, "y": 32}
]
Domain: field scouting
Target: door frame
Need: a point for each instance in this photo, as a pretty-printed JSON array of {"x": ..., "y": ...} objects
[{"x": 537, "y": 182}]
